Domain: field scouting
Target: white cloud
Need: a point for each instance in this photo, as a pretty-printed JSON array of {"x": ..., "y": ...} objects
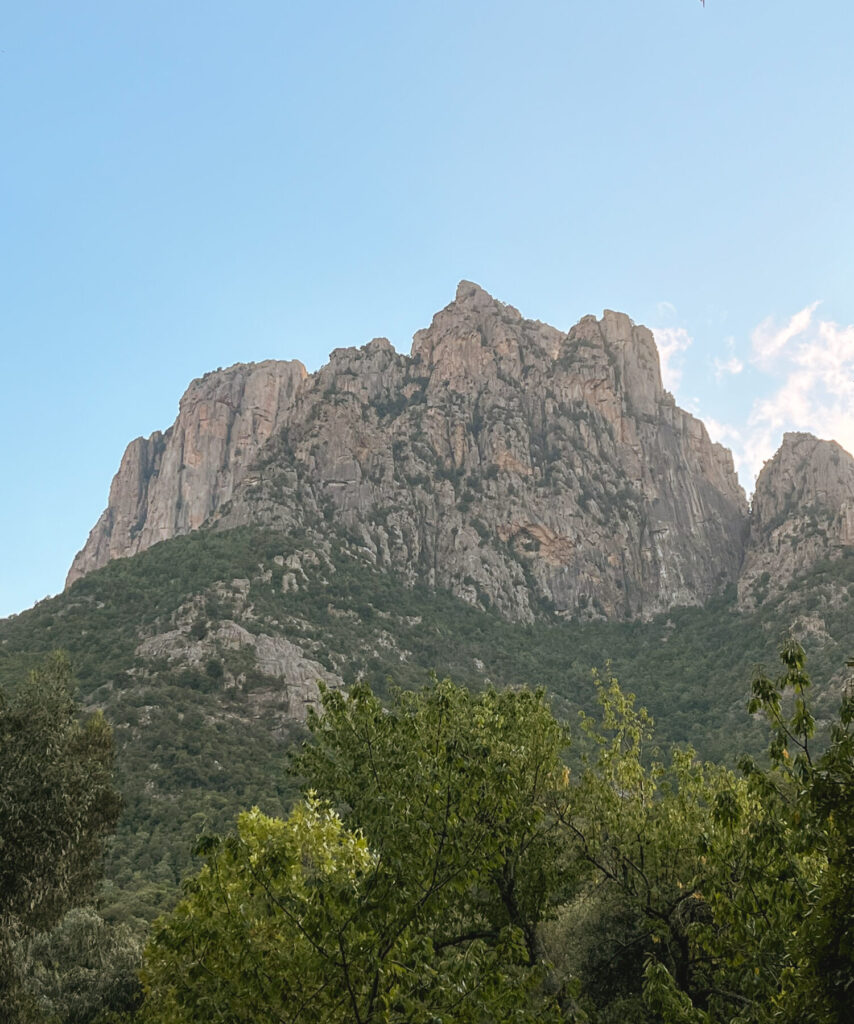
[
  {"x": 733, "y": 438},
  {"x": 812, "y": 365},
  {"x": 767, "y": 342},
  {"x": 731, "y": 366},
  {"x": 723, "y": 433},
  {"x": 671, "y": 342},
  {"x": 802, "y": 374}
]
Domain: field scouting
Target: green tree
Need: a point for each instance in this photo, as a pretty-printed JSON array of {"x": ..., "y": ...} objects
[
  {"x": 83, "y": 971},
  {"x": 269, "y": 929},
  {"x": 57, "y": 805},
  {"x": 780, "y": 891},
  {"x": 285, "y": 922},
  {"x": 454, "y": 792},
  {"x": 421, "y": 902},
  {"x": 644, "y": 828}
]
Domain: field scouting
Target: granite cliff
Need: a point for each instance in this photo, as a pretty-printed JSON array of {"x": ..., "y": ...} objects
[
  {"x": 520, "y": 466},
  {"x": 170, "y": 483},
  {"x": 802, "y": 512}
]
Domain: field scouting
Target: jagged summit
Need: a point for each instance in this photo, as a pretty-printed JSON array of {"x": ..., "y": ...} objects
[
  {"x": 802, "y": 511},
  {"x": 470, "y": 296},
  {"x": 170, "y": 483},
  {"x": 805, "y": 472},
  {"x": 519, "y": 465},
  {"x": 470, "y": 293}
]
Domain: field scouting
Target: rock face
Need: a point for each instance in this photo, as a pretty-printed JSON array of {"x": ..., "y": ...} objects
[
  {"x": 803, "y": 510},
  {"x": 170, "y": 483},
  {"x": 518, "y": 465}
]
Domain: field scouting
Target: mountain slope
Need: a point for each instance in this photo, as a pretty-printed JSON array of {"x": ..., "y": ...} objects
[{"x": 203, "y": 652}]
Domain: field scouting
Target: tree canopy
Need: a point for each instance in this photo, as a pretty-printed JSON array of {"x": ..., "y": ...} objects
[
  {"x": 445, "y": 864},
  {"x": 419, "y": 902},
  {"x": 57, "y": 806}
]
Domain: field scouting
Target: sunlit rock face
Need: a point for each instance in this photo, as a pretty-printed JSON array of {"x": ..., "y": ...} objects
[
  {"x": 802, "y": 511},
  {"x": 168, "y": 484},
  {"x": 518, "y": 465}
]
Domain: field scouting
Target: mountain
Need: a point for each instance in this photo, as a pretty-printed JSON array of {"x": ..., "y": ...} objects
[
  {"x": 512, "y": 463},
  {"x": 508, "y": 505}
]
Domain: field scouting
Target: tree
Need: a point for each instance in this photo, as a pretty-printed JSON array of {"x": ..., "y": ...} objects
[
  {"x": 645, "y": 828},
  {"x": 57, "y": 805},
  {"x": 780, "y": 891},
  {"x": 447, "y": 869},
  {"x": 82, "y": 971},
  {"x": 420, "y": 902},
  {"x": 453, "y": 791},
  {"x": 285, "y": 923},
  {"x": 268, "y": 930}
]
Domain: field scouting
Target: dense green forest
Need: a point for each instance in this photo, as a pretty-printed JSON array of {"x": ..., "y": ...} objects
[{"x": 447, "y": 862}]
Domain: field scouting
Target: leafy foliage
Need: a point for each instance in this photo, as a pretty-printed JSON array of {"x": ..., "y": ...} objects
[
  {"x": 192, "y": 749},
  {"x": 57, "y": 805},
  {"x": 83, "y": 971},
  {"x": 714, "y": 897},
  {"x": 644, "y": 827},
  {"x": 445, "y": 864},
  {"x": 774, "y": 938},
  {"x": 472, "y": 877},
  {"x": 421, "y": 904},
  {"x": 290, "y": 920},
  {"x": 451, "y": 790}
]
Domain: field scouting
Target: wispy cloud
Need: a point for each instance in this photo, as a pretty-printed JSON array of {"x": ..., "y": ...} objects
[
  {"x": 728, "y": 367},
  {"x": 811, "y": 365},
  {"x": 769, "y": 341},
  {"x": 723, "y": 433},
  {"x": 733, "y": 438},
  {"x": 671, "y": 342},
  {"x": 801, "y": 372}
]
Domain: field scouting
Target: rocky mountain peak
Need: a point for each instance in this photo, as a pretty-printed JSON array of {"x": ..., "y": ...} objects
[
  {"x": 802, "y": 510},
  {"x": 472, "y": 296},
  {"x": 805, "y": 474},
  {"x": 477, "y": 337},
  {"x": 631, "y": 351},
  {"x": 518, "y": 465}
]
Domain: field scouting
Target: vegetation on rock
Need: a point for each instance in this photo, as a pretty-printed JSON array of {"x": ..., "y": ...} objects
[{"x": 194, "y": 746}]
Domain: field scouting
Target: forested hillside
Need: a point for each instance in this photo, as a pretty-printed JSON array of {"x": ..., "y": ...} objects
[{"x": 172, "y": 643}]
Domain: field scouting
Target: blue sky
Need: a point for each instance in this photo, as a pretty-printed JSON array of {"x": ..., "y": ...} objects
[{"x": 189, "y": 185}]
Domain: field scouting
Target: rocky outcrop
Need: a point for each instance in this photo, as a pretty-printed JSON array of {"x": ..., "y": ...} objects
[
  {"x": 285, "y": 683},
  {"x": 170, "y": 483},
  {"x": 518, "y": 465},
  {"x": 803, "y": 511}
]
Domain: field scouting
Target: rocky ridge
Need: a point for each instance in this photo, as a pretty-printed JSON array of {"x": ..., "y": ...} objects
[{"x": 522, "y": 467}]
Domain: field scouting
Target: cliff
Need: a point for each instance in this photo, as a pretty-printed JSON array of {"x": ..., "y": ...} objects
[
  {"x": 518, "y": 465},
  {"x": 169, "y": 484}
]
